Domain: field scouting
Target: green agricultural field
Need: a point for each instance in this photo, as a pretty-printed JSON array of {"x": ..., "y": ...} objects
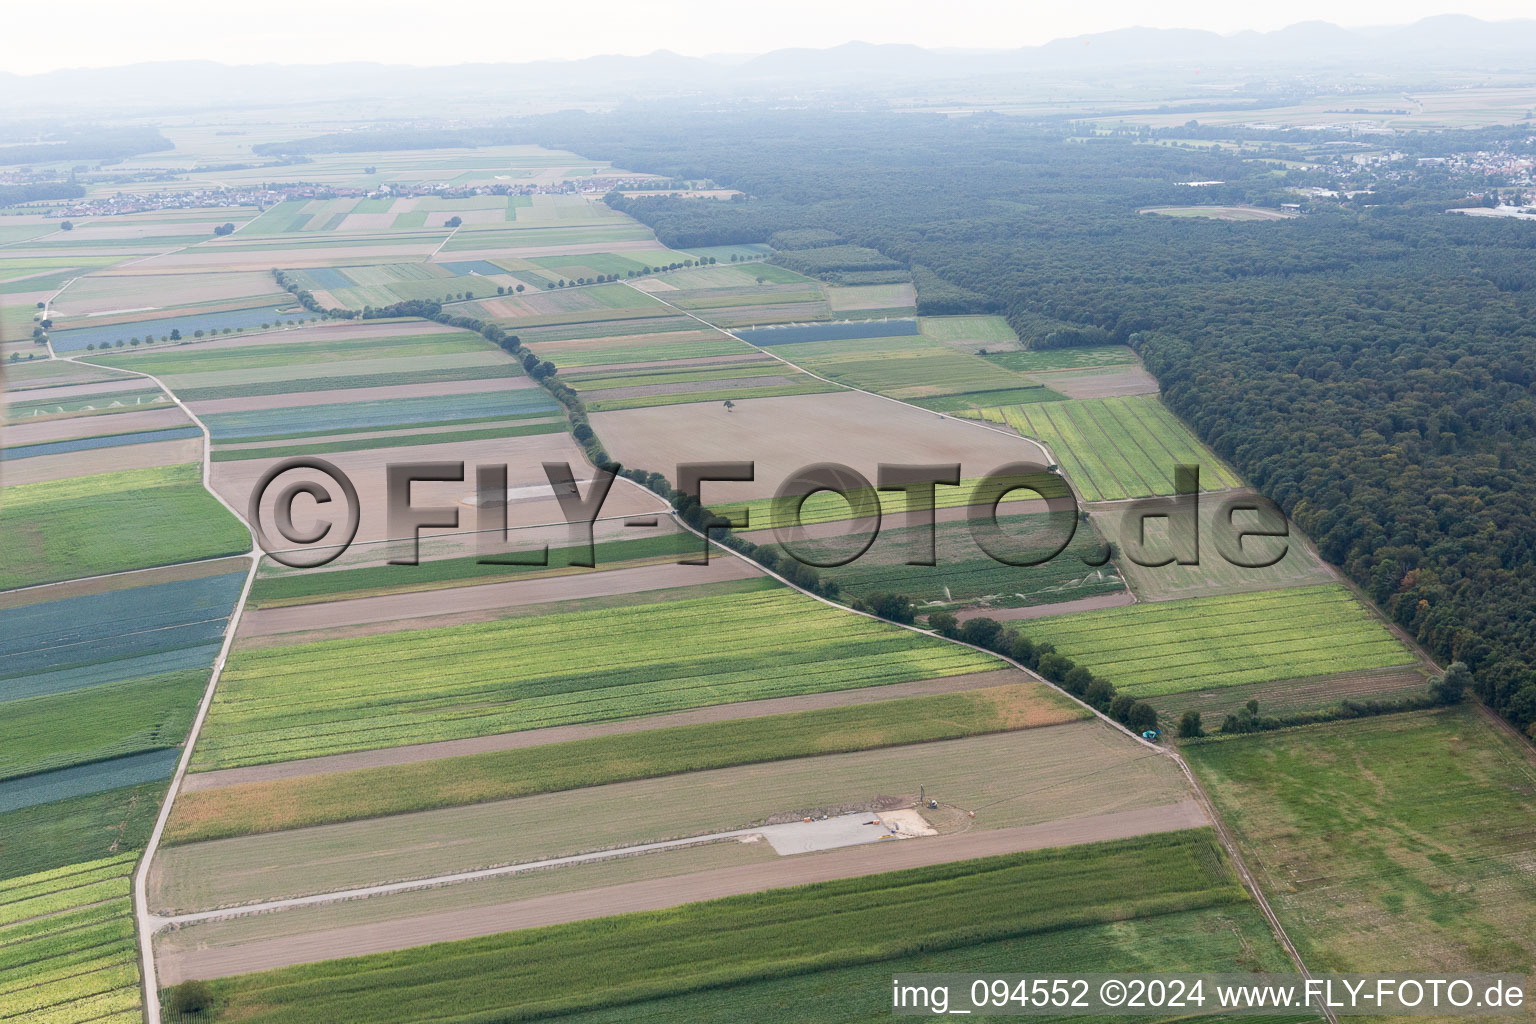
[
  {"x": 1204, "y": 642},
  {"x": 829, "y": 507},
  {"x": 502, "y": 368},
  {"x": 972, "y": 401},
  {"x": 965, "y": 574},
  {"x": 1075, "y": 358},
  {"x": 1388, "y": 843},
  {"x": 253, "y": 357},
  {"x": 462, "y": 681},
  {"x": 731, "y": 275},
  {"x": 571, "y": 355},
  {"x": 641, "y": 375},
  {"x": 112, "y": 522},
  {"x": 19, "y": 409},
  {"x": 67, "y": 950},
  {"x": 389, "y": 439},
  {"x": 1214, "y": 574},
  {"x": 1067, "y": 771},
  {"x": 640, "y": 387},
  {"x": 615, "y": 328},
  {"x": 730, "y": 301},
  {"x": 288, "y": 587},
  {"x": 775, "y": 934},
  {"x": 596, "y": 235},
  {"x": 970, "y": 332},
  {"x": 93, "y": 724},
  {"x": 478, "y": 778},
  {"x": 54, "y": 835},
  {"x": 915, "y": 368},
  {"x": 1231, "y": 938},
  {"x": 1116, "y": 447}
]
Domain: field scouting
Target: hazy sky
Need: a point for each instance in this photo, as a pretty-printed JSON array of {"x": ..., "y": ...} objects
[{"x": 103, "y": 33}]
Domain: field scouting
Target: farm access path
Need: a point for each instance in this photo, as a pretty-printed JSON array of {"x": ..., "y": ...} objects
[
  {"x": 143, "y": 919},
  {"x": 865, "y": 857}
]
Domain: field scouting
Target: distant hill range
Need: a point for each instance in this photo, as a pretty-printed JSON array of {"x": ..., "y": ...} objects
[{"x": 1445, "y": 41}]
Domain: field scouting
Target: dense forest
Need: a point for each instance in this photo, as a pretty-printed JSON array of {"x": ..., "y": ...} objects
[
  {"x": 92, "y": 143},
  {"x": 1370, "y": 366}
]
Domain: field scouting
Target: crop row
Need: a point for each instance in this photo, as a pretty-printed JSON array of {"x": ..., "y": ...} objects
[
  {"x": 378, "y": 414},
  {"x": 639, "y": 351},
  {"x": 1119, "y": 447},
  {"x": 299, "y": 385},
  {"x": 368, "y": 793},
  {"x": 112, "y": 522},
  {"x": 67, "y": 949},
  {"x": 1149, "y": 649},
  {"x": 45, "y": 884},
  {"x": 801, "y": 385},
  {"x": 115, "y": 624},
  {"x": 778, "y": 933},
  {"x": 829, "y": 507},
  {"x": 296, "y": 587},
  {"x": 252, "y": 357},
  {"x": 528, "y": 672}
]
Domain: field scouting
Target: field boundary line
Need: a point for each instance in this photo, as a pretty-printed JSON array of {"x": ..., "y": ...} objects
[{"x": 143, "y": 920}]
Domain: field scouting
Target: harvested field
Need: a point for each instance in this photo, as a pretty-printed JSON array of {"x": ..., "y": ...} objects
[
  {"x": 872, "y": 296},
  {"x": 633, "y": 599},
  {"x": 456, "y": 682},
  {"x": 966, "y": 773},
  {"x": 1101, "y": 383},
  {"x": 1152, "y": 649},
  {"x": 401, "y": 930},
  {"x": 107, "y": 290},
  {"x": 857, "y": 430},
  {"x": 406, "y": 610},
  {"x": 47, "y": 393},
  {"x": 417, "y": 753}
]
